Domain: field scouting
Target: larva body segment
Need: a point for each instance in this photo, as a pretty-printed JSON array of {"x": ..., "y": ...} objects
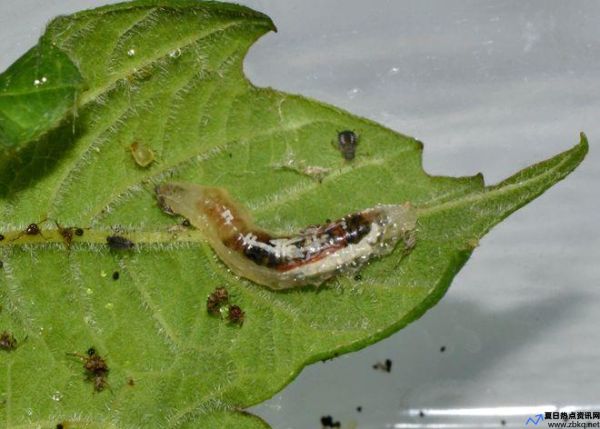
[{"x": 311, "y": 256}]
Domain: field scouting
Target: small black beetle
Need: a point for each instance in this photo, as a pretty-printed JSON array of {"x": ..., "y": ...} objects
[{"x": 347, "y": 142}]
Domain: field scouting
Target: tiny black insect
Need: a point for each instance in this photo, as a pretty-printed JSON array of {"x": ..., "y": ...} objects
[
  {"x": 32, "y": 229},
  {"x": 116, "y": 242},
  {"x": 347, "y": 142}
]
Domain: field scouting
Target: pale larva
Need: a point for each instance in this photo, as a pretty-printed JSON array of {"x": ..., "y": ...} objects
[{"x": 280, "y": 262}]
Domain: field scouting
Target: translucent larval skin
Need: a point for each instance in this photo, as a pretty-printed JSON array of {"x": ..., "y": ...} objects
[{"x": 308, "y": 257}]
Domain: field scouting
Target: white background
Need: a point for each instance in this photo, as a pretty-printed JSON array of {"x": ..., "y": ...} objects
[{"x": 489, "y": 86}]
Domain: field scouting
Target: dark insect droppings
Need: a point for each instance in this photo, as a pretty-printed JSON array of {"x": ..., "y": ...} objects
[
  {"x": 388, "y": 365},
  {"x": 79, "y": 232},
  {"x": 359, "y": 409},
  {"x": 421, "y": 413},
  {"x": 236, "y": 315},
  {"x": 1, "y": 237},
  {"x": 60, "y": 426},
  {"x": 115, "y": 275},
  {"x": 216, "y": 300},
  {"x": 327, "y": 422},
  {"x": 384, "y": 366},
  {"x": 8, "y": 341},
  {"x": 186, "y": 223},
  {"x": 116, "y": 242},
  {"x": 442, "y": 349},
  {"x": 96, "y": 369}
]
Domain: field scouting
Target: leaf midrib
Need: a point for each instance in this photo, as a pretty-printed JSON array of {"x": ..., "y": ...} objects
[
  {"x": 154, "y": 236},
  {"x": 490, "y": 192}
]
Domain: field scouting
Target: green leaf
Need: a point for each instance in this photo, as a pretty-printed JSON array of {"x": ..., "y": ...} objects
[
  {"x": 38, "y": 96},
  {"x": 168, "y": 75},
  {"x": 36, "y": 93}
]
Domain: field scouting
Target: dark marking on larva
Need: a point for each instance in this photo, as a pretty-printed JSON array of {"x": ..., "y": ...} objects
[
  {"x": 116, "y": 242},
  {"x": 236, "y": 315},
  {"x": 262, "y": 251},
  {"x": 347, "y": 143},
  {"x": 115, "y": 275},
  {"x": 216, "y": 300},
  {"x": 95, "y": 367},
  {"x": 8, "y": 342},
  {"x": 257, "y": 254}
]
